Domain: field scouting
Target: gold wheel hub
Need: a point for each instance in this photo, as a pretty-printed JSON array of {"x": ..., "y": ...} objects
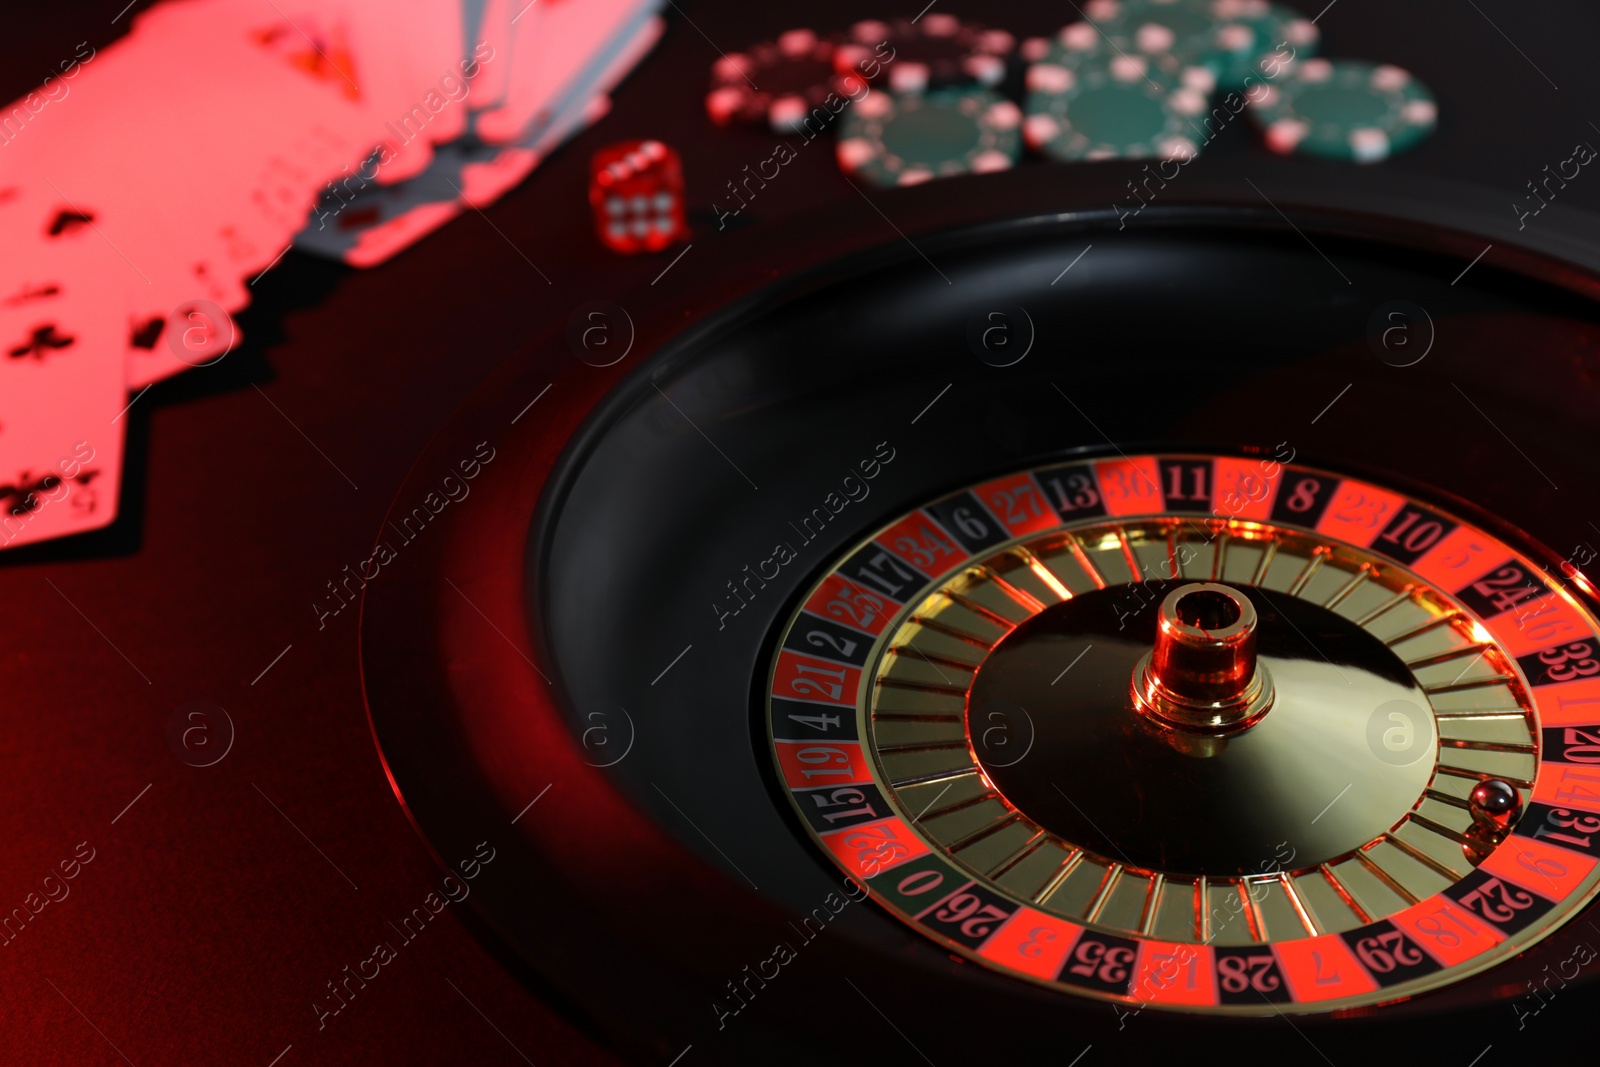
[{"x": 1202, "y": 673}]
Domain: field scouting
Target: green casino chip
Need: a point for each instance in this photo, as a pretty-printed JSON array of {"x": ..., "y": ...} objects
[
  {"x": 1217, "y": 34},
  {"x": 902, "y": 140},
  {"x": 1283, "y": 37},
  {"x": 1344, "y": 109},
  {"x": 1089, "y": 42},
  {"x": 1231, "y": 37},
  {"x": 1112, "y": 106}
]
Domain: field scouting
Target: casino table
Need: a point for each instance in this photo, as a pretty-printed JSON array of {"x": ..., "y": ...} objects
[{"x": 542, "y": 754}]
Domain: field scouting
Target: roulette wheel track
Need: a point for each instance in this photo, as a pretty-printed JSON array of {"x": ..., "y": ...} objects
[{"x": 567, "y": 650}]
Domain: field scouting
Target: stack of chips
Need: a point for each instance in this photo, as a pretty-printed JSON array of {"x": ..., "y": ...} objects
[{"x": 1133, "y": 79}]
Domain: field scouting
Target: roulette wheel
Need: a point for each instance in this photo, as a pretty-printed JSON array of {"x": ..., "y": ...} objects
[{"x": 974, "y": 641}]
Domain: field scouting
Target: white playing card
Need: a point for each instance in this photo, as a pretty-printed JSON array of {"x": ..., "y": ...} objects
[
  {"x": 383, "y": 222},
  {"x": 137, "y": 217},
  {"x": 495, "y": 37},
  {"x": 417, "y": 72},
  {"x": 172, "y": 172},
  {"x": 400, "y": 62},
  {"x": 61, "y": 384},
  {"x": 557, "y": 59},
  {"x": 212, "y": 130},
  {"x": 603, "y": 74}
]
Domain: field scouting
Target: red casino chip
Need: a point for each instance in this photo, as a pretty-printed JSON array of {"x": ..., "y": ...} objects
[
  {"x": 930, "y": 52},
  {"x": 776, "y": 81}
]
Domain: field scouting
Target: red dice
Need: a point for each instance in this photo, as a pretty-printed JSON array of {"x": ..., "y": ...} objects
[{"x": 636, "y": 191}]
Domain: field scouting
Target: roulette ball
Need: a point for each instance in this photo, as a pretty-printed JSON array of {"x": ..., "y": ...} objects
[{"x": 979, "y": 641}]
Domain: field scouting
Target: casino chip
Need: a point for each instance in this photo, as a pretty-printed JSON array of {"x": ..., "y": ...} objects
[
  {"x": 779, "y": 81},
  {"x": 903, "y": 140},
  {"x": 1083, "y": 42},
  {"x": 1099, "y": 106},
  {"x": 1283, "y": 37},
  {"x": 935, "y": 51},
  {"x": 1344, "y": 109},
  {"x": 1232, "y": 37}
]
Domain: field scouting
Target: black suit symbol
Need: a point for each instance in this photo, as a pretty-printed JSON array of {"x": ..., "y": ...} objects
[
  {"x": 26, "y": 496},
  {"x": 23, "y": 497},
  {"x": 68, "y": 221},
  {"x": 41, "y": 342},
  {"x": 146, "y": 334}
]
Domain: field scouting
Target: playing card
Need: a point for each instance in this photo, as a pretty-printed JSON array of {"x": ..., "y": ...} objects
[
  {"x": 61, "y": 383},
  {"x": 177, "y": 165},
  {"x": 559, "y": 55},
  {"x": 215, "y": 129},
  {"x": 418, "y": 74},
  {"x": 495, "y": 36},
  {"x": 600, "y": 77},
  {"x": 150, "y": 142},
  {"x": 194, "y": 333},
  {"x": 401, "y": 63},
  {"x": 383, "y": 222}
]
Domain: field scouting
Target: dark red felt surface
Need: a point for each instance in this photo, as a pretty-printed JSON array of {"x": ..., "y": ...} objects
[{"x": 206, "y": 925}]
